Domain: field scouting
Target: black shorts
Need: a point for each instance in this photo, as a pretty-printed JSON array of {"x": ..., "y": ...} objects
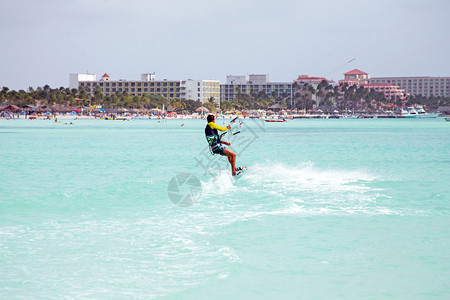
[{"x": 218, "y": 149}]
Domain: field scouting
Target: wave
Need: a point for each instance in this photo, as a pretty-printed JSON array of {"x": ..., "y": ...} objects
[{"x": 302, "y": 189}]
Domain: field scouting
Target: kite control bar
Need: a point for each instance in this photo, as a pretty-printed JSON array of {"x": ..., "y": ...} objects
[{"x": 232, "y": 121}]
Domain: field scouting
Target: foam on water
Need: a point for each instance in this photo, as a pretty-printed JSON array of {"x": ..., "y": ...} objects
[{"x": 276, "y": 188}]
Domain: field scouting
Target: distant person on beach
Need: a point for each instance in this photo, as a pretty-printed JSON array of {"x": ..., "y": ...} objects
[{"x": 215, "y": 143}]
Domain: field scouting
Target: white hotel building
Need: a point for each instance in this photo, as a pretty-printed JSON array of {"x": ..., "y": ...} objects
[
  {"x": 201, "y": 90},
  {"x": 425, "y": 86},
  {"x": 254, "y": 83}
]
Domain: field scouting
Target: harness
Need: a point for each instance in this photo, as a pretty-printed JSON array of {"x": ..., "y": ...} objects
[{"x": 214, "y": 142}]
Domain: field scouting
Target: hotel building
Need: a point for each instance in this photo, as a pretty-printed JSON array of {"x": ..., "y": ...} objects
[
  {"x": 201, "y": 90},
  {"x": 74, "y": 79},
  {"x": 171, "y": 89},
  {"x": 254, "y": 84},
  {"x": 360, "y": 78},
  {"x": 314, "y": 81},
  {"x": 355, "y": 77},
  {"x": 390, "y": 91},
  {"x": 425, "y": 86},
  {"x": 300, "y": 94}
]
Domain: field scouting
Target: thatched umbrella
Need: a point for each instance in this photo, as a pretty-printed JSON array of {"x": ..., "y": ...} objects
[
  {"x": 276, "y": 106},
  {"x": 28, "y": 107},
  {"x": 202, "y": 109},
  {"x": 48, "y": 108},
  {"x": 68, "y": 109},
  {"x": 11, "y": 108}
]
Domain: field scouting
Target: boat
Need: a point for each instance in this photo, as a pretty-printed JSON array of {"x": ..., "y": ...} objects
[
  {"x": 421, "y": 113},
  {"x": 114, "y": 118},
  {"x": 412, "y": 112},
  {"x": 278, "y": 121},
  {"x": 447, "y": 119},
  {"x": 409, "y": 112}
]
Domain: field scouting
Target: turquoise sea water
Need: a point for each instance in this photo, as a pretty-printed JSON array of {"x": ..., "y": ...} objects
[{"x": 328, "y": 209}]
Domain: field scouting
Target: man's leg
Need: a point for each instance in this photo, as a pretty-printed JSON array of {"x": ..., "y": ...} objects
[{"x": 232, "y": 159}]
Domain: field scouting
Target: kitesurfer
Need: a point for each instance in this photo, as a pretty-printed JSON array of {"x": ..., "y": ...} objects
[{"x": 215, "y": 143}]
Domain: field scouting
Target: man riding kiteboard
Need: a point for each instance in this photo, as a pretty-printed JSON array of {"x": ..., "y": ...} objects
[{"x": 215, "y": 144}]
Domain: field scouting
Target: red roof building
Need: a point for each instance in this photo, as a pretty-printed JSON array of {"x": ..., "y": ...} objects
[
  {"x": 105, "y": 77},
  {"x": 356, "y": 72},
  {"x": 390, "y": 91},
  {"x": 355, "y": 77},
  {"x": 311, "y": 80}
]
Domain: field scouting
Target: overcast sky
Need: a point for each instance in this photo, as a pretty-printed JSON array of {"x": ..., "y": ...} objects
[{"x": 43, "y": 41}]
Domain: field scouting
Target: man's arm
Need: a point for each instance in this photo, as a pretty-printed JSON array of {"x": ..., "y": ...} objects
[{"x": 215, "y": 126}]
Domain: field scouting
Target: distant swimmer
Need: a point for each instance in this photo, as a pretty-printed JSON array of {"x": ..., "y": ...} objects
[
  {"x": 182, "y": 125},
  {"x": 215, "y": 144}
]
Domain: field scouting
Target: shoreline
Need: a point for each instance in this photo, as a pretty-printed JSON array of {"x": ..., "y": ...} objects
[{"x": 267, "y": 119}]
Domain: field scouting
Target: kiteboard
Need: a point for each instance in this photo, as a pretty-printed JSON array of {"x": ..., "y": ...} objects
[{"x": 240, "y": 173}]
